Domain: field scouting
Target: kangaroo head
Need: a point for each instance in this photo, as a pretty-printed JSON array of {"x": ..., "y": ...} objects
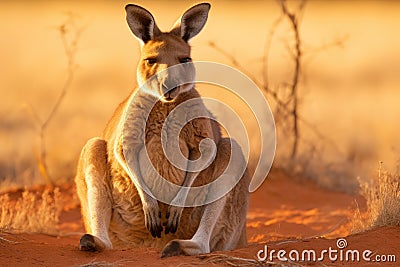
[{"x": 162, "y": 50}]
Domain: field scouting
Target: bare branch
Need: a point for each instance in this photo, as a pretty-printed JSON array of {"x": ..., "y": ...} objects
[
  {"x": 294, "y": 22},
  {"x": 70, "y": 48},
  {"x": 70, "y": 51},
  {"x": 286, "y": 95}
]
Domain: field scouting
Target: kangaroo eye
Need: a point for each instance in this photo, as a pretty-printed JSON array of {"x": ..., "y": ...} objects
[
  {"x": 151, "y": 61},
  {"x": 185, "y": 60}
]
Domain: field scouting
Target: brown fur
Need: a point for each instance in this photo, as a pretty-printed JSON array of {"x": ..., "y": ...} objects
[{"x": 113, "y": 208}]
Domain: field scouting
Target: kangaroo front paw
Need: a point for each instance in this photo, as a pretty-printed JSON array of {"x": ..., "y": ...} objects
[
  {"x": 183, "y": 247},
  {"x": 152, "y": 217},
  {"x": 173, "y": 217}
]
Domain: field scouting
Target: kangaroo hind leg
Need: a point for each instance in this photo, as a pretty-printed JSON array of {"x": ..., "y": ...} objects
[
  {"x": 94, "y": 194},
  {"x": 215, "y": 212}
]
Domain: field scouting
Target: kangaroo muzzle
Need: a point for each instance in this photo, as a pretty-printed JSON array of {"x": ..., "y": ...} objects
[{"x": 175, "y": 80}]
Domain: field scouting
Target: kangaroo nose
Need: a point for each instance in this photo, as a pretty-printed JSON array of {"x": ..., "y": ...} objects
[{"x": 168, "y": 95}]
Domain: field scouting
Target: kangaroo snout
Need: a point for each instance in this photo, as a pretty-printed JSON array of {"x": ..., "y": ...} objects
[
  {"x": 169, "y": 85},
  {"x": 175, "y": 80},
  {"x": 169, "y": 94}
]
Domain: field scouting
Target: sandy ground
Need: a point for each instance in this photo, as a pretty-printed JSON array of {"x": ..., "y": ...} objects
[{"x": 285, "y": 214}]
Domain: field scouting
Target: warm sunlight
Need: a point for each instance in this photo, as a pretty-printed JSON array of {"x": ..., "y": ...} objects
[{"x": 331, "y": 78}]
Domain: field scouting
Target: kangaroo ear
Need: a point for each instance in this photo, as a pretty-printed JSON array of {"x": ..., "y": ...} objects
[
  {"x": 141, "y": 22},
  {"x": 192, "y": 21}
]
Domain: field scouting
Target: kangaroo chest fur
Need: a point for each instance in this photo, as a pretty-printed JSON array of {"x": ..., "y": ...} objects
[{"x": 127, "y": 224}]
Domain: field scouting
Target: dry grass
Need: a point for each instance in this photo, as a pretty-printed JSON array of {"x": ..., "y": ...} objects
[
  {"x": 32, "y": 212},
  {"x": 383, "y": 202}
]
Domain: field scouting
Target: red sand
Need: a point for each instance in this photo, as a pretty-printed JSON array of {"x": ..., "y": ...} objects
[{"x": 285, "y": 214}]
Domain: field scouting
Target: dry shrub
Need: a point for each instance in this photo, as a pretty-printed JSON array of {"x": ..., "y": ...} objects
[
  {"x": 32, "y": 212},
  {"x": 383, "y": 202}
]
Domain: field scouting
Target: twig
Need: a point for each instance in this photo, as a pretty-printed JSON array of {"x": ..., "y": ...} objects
[
  {"x": 337, "y": 42},
  {"x": 94, "y": 263},
  {"x": 71, "y": 48},
  {"x": 294, "y": 21},
  {"x": 9, "y": 241}
]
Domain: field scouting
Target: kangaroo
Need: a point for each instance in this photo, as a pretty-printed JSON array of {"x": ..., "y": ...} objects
[{"x": 117, "y": 172}]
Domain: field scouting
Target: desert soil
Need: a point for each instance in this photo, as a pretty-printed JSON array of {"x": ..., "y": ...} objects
[{"x": 285, "y": 214}]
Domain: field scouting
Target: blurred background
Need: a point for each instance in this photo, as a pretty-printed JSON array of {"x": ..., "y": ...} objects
[{"x": 348, "y": 91}]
